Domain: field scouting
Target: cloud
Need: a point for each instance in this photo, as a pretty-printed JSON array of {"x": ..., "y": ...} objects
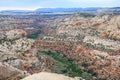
[{"x": 18, "y": 8}]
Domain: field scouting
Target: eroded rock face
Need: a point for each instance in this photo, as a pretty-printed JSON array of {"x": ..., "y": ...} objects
[
  {"x": 16, "y": 34},
  {"x": 74, "y": 26},
  {"x": 101, "y": 62},
  {"x": 102, "y": 43},
  {"x": 2, "y": 35},
  {"x": 19, "y": 52},
  {"x": 19, "y": 58},
  {"x": 99, "y": 47},
  {"x": 111, "y": 34},
  {"x": 15, "y": 49},
  {"x": 49, "y": 76},
  {"x": 16, "y": 55},
  {"x": 8, "y": 72},
  {"x": 112, "y": 30}
]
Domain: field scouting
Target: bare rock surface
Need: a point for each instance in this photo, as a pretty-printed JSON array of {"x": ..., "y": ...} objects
[
  {"x": 49, "y": 76},
  {"x": 16, "y": 34},
  {"x": 8, "y": 72}
]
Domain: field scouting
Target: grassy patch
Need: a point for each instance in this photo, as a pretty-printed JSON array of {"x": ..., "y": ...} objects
[
  {"x": 65, "y": 66},
  {"x": 34, "y": 35}
]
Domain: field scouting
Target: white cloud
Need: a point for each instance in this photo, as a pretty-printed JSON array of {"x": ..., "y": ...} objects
[{"x": 18, "y": 8}]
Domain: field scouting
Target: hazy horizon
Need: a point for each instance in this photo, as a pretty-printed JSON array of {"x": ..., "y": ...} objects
[{"x": 34, "y": 4}]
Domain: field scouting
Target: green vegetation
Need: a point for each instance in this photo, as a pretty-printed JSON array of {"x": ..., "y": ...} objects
[
  {"x": 65, "y": 65},
  {"x": 34, "y": 35},
  {"x": 86, "y": 15},
  {"x": 92, "y": 72},
  {"x": 6, "y": 40}
]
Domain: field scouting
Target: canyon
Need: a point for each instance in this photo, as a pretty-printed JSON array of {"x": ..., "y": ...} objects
[{"x": 81, "y": 46}]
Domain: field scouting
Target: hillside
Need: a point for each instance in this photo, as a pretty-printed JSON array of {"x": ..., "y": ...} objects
[{"x": 92, "y": 42}]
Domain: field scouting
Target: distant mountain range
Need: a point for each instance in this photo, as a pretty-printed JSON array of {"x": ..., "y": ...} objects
[
  {"x": 15, "y": 11},
  {"x": 65, "y": 9},
  {"x": 53, "y": 10}
]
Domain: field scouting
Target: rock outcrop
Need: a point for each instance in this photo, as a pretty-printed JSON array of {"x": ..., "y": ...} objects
[
  {"x": 15, "y": 54},
  {"x": 7, "y": 72},
  {"x": 49, "y": 76},
  {"x": 16, "y": 34},
  {"x": 105, "y": 44}
]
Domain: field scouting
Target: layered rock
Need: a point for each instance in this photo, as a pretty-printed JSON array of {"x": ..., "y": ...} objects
[
  {"x": 102, "y": 63},
  {"x": 105, "y": 44},
  {"x": 92, "y": 42}
]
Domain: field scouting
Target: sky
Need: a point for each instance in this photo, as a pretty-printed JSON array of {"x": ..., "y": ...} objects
[{"x": 34, "y": 4}]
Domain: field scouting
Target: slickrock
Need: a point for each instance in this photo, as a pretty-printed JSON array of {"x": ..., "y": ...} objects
[{"x": 49, "y": 76}]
